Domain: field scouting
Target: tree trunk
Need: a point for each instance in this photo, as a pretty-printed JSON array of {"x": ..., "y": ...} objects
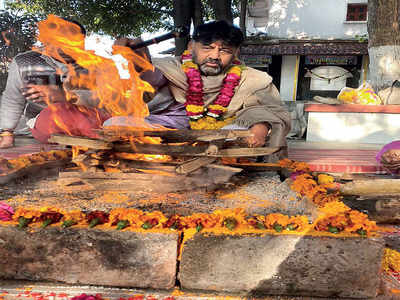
[
  {"x": 183, "y": 13},
  {"x": 222, "y": 10},
  {"x": 243, "y": 14},
  {"x": 384, "y": 42}
]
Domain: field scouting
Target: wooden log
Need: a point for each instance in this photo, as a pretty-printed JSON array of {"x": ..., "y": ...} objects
[
  {"x": 194, "y": 164},
  {"x": 208, "y": 176},
  {"x": 80, "y": 141},
  {"x": 181, "y": 150},
  {"x": 242, "y": 152},
  {"x": 382, "y": 209},
  {"x": 371, "y": 187},
  {"x": 33, "y": 170},
  {"x": 256, "y": 167},
  {"x": 113, "y": 133}
]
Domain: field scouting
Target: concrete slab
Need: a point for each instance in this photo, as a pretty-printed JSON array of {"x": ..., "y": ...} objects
[
  {"x": 89, "y": 256},
  {"x": 257, "y": 265}
]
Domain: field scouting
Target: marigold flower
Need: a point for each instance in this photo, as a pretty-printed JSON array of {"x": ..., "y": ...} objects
[
  {"x": 97, "y": 217},
  {"x": 276, "y": 221}
]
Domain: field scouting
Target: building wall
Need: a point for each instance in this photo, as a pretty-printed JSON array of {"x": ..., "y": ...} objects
[{"x": 314, "y": 19}]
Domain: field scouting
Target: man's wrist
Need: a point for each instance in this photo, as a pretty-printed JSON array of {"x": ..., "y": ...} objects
[{"x": 6, "y": 132}]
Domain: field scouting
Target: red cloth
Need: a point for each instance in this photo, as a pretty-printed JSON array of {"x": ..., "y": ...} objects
[{"x": 66, "y": 118}]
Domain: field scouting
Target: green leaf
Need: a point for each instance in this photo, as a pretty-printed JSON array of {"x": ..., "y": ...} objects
[
  {"x": 292, "y": 227},
  {"x": 199, "y": 228},
  {"x": 23, "y": 222},
  {"x": 46, "y": 223},
  {"x": 333, "y": 229},
  {"x": 278, "y": 227},
  {"x": 94, "y": 222},
  {"x": 147, "y": 225},
  {"x": 68, "y": 223},
  {"x": 362, "y": 232},
  {"x": 230, "y": 223},
  {"x": 122, "y": 224}
]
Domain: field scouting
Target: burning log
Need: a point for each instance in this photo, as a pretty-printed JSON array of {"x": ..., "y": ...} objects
[
  {"x": 194, "y": 164},
  {"x": 80, "y": 141}
]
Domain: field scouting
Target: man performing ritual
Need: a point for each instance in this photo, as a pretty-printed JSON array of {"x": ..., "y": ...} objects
[{"x": 208, "y": 88}]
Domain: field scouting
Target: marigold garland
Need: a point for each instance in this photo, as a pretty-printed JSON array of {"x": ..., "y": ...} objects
[{"x": 212, "y": 116}]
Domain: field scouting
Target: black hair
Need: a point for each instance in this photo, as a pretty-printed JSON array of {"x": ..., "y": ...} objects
[
  {"x": 83, "y": 30},
  {"x": 210, "y": 32}
]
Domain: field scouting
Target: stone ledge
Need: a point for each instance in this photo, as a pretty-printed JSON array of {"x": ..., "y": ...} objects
[
  {"x": 257, "y": 265},
  {"x": 96, "y": 257}
]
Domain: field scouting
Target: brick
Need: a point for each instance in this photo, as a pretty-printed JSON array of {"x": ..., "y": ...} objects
[
  {"x": 255, "y": 265},
  {"x": 89, "y": 256}
]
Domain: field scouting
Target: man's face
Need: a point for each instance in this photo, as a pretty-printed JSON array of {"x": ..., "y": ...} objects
[{"x": 212, "y": 59}]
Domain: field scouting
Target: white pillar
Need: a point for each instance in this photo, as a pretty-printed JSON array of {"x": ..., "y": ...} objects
[{"x": 289, "y": 77}]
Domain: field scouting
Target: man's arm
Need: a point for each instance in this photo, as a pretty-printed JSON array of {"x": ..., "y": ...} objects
[
  {"x": 12, "y": 106},
  {"x": 264, "y": 112}
]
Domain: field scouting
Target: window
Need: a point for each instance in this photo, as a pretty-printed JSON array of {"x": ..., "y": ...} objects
[{"x": 357, "y": 12}]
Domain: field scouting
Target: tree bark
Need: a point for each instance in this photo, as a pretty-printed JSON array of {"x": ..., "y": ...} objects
[
  {"x": 384, "y": 42},
  {"x": 222, "y": 10},
  {"x": 183, "y": 13},
  {"x": 243, "y": 15}
]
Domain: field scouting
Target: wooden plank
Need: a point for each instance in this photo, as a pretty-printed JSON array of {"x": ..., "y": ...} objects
[
  {"x": 242, "y": 152},
  {"x": 80, "y": 141},
  {"x": 181, "y": 150},
  {"x": 113, "y": 133},
  {"x": 194, "y": 164},
  {"x": 257, "y": 167}
]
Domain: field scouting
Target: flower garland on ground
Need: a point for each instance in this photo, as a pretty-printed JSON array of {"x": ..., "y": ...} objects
[
  {"x": 212, "y": 116},
  {"x": 335, "y": 216}
]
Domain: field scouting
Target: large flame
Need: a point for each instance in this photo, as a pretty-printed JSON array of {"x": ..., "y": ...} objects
[{"x": 64, "y": 41}]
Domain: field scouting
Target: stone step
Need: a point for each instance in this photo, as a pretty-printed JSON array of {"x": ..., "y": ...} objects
[
  {"x": 95, "y": 257},
  {"x": 254, "y": 265}
]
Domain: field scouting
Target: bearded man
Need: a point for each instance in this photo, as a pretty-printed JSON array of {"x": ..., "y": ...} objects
[{"x": 209, "y": 88}]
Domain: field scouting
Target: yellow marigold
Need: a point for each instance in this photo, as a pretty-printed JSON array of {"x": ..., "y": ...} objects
[
  {"x": 324, "y": 179},
  {"x": 153, "y": 219},
  {"x": 300, "y": 222},
  {"x": 238, "y": 214},
  {"x": 303, "y": 184},
  {"x": 194, "y": 108},
  {"x": 294, "y": 165},
  {"x": 124, "y": 214},
  {"x": 27, "y": 213},
  {"x": 360, "y": 221},
  {"x": 75, "y": 215},
  {"x": 236, "y": 70},
  {"x": 202, "y": 219},
  {"x": 189, "y": 64},
  {"x": 391, "y": 260},
  {"x": 217, "y": 107},
  {"x": 209, "y": 123},
  {"x": 334, "y": 207},
  {"x": 276, "y": 219}
]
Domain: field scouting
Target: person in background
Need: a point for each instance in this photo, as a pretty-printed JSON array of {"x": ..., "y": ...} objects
[{"x": 34, "y": 80}]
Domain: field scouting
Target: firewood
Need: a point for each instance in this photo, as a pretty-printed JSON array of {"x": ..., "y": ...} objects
[
  {"x": 204, "y": 177},
  {"x": 194, "y": 164},
  {"x": 253, "y": 166},
  {"x": 185, "y": 150},
  {"x": 114, "y": 133},
  {"x": 242, "y": 152},
  {"x": 371, "y": 187},
  {"x": 80, "y": 141}
]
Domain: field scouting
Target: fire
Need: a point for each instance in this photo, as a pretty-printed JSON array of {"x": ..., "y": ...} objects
[
  {"x": 64, "y": 41},
  {"x": 143, "y": 157}
]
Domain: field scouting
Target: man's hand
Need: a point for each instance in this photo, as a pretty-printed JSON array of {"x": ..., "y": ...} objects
[
  {"x": 260, "y": 132},
  {"x": 44, "y": 93},
  {"x": 6, "y": 141},
  {"x": 143, "y": 52}
]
